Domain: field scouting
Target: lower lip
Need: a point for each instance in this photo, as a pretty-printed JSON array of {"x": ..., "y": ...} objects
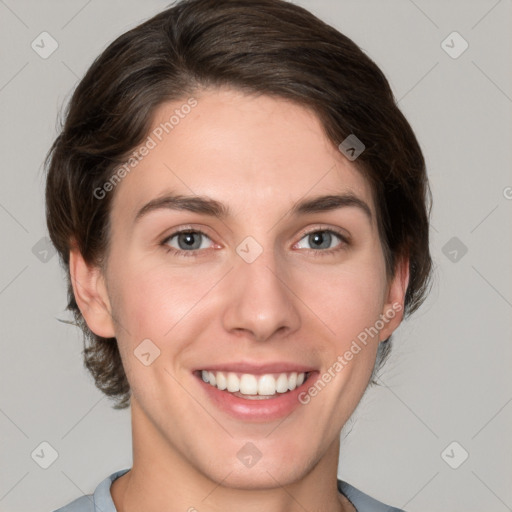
[{"x": 273, "y": 408}]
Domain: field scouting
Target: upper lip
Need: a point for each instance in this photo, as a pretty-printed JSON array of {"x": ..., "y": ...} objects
[{"x": 258, "y": 368}]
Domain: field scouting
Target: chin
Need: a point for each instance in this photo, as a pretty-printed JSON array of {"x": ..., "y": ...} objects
[
  {"x": 260, "y": 472},
  {"x": 261, "y": 477}
]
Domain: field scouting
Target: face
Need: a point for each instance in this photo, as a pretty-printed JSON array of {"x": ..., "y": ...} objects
[{"x": 228, "y": 261}]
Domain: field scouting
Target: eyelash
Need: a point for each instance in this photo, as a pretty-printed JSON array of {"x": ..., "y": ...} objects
[{"x": 344, "y": 242}]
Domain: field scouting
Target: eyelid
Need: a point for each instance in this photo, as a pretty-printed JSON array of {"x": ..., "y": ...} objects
[{"x": 185, "y": 228}]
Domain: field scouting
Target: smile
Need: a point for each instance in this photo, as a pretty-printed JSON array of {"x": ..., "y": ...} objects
[
  {"x": 255, "y": 391},
  {"x": 254, "y": 387}
]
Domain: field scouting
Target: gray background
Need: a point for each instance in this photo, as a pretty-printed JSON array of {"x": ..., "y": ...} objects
[{"x": 449, "y": 376}]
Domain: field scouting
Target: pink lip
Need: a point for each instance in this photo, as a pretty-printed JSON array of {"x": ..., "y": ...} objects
[
  {"x": 257, "y": 368},
  {"x": 278, "y": 406}
]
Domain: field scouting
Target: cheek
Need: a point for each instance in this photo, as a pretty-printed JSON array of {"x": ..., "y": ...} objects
[
  {"x": 156, "y": 303},
  {"x": 152, "y": 299},
  {"x": 348, "y": 299}
]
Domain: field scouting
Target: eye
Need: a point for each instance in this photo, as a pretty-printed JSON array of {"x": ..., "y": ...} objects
[
  {"x": 323, "y": 239},
  {"x": 187, "y": 241}
]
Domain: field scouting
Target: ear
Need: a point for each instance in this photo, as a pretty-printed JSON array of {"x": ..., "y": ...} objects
[
  {"x": 393, "y": 311},
  {"x": 91, "y": 295}
]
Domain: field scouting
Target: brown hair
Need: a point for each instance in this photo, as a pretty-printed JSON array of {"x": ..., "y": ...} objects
[{"x": 269, "y": 47}]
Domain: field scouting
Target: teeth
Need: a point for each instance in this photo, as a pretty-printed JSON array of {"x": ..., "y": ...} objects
[
  {"x": 233, "y": 383},
  {"x": 222, "y": 382},
  {"x": 248, "y": 384},
  {"x": 267, "y": 385},
  {"x": 292, "y": 381},
  {"x": 282, "y": 383}
]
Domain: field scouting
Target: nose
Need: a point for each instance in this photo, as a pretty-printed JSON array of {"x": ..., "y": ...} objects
[{"x": 260, "y": 302}]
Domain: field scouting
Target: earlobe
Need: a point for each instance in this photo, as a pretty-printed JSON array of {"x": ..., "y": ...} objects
[
  {"x": 393, "y": 310},
  {"x": 91, "y": 295}
]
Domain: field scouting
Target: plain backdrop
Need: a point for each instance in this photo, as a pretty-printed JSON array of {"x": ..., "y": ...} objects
[{"x": 435, "y": 436}]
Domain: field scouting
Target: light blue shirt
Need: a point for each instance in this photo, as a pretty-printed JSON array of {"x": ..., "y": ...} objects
[{"x": 101, "y": 500}]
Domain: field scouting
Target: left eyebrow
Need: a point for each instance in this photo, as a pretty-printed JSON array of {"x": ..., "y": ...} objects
[{"x": 331, "y": 202}]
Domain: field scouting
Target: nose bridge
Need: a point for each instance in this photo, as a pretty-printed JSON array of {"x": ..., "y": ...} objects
[{"x": 259, "y": 301}]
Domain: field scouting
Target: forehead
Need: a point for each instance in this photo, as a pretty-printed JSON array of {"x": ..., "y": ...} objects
[{"x": 244, "y": 150}]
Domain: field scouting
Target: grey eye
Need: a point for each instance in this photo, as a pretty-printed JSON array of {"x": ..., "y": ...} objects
[
  {"x": 321, "y": 239},
  {"x": 188, "y": 240}
]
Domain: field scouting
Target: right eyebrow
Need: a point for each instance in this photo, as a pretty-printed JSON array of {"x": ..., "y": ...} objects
[{"x": 196, "y": 204}]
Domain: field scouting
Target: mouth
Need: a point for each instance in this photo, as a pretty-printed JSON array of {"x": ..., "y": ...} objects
[
  {"x": 254, "y": 386},
  {"x": 248, "y": 394}
]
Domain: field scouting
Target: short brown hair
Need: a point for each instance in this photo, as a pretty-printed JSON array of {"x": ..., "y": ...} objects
[{"x": 269, "y": 47}]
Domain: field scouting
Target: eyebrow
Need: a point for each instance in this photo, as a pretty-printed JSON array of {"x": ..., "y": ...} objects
[
  {"x": 196, "y": 204},
  {"x": 211, "y": 207},
  {"x": 331, "y": 202}
]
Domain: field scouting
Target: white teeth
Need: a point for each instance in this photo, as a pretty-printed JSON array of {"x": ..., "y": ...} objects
[
  {"x": 233, "y": 383},
  {"x": 222, "y": 382},
  {"x": 292, "y": 381},
  {"x": 282, "y": 383},
  {"x": 267, "y": 385},
  {"x": 249, "y": 384}
]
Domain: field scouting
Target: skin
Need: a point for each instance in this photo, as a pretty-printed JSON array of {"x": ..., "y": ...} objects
[{"x": 295, "y": 302}]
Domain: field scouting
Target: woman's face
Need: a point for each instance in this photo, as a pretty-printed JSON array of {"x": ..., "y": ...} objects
[{"x": 269, "y": 279}]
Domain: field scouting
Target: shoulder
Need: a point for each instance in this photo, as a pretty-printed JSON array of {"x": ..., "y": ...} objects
[
  {"x": 100, "y": 501},
  {"x": 362, "y": 502},
  {"x": 82, "y": 504}
]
